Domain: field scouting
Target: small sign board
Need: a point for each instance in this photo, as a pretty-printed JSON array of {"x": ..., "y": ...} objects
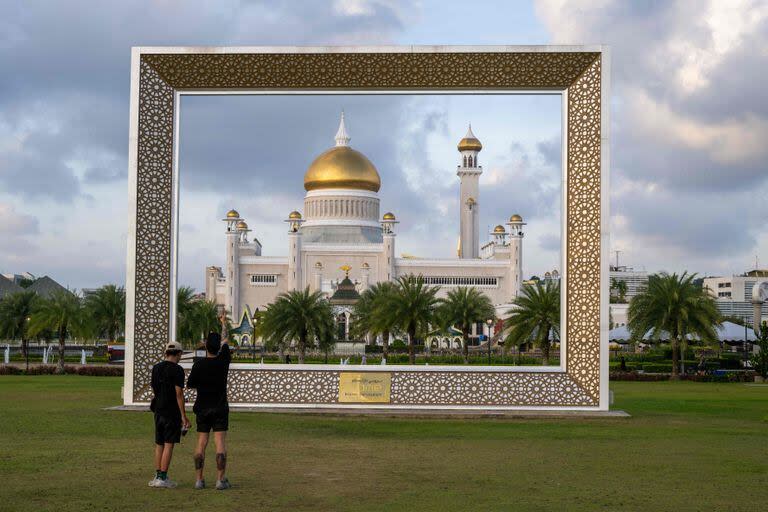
[{"x": 364, "y": 387}]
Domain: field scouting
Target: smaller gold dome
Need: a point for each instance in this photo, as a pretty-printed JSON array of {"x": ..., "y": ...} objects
[
  {"x": 232, "y": 214},
  {"x": 515, "y": 218},
  {"x": 470, "y": 142},
  {"x": 466, "y": 144},
  {"x": 242, "y": 225},
  {"x": 294, "y": 215},
  {"x": 366, "y": 265},
  {"x": 389, "y": 216},
  {"x": 499, "y": 229}
]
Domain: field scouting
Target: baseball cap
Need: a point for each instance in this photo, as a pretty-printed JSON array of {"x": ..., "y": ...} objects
[{"x": 173, "y": 345}]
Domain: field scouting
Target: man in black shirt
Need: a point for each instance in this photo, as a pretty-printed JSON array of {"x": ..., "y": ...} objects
[
  {"x": 209, "y": 377},
  {"x": 168, "y": 406}
]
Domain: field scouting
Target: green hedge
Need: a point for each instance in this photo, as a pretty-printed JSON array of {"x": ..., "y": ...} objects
[{"x": 50, "y": 369}]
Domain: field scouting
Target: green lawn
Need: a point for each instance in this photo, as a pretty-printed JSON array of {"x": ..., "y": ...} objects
[{"x": 688, "y": 446}]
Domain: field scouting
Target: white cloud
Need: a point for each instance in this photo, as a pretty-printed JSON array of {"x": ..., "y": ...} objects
[
  {"x": 727, "y": 141},
  {"x": 689, "y": 125},
  {"x": 16, "y": 224}
]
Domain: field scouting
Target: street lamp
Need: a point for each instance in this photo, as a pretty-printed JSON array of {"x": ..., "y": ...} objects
[
  {"x": 490, "y": 323},
  {"x": 744, "y": 347},
  {"x": 26, "y": 346}
]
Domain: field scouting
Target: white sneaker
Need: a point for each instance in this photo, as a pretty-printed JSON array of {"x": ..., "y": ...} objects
[
  {"x": 166, "y": 484},
  {"x": 222, "y": 485},
  {"x": 153, "y": 482}
]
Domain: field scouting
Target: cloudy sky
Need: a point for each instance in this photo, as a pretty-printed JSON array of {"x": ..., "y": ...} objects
[{"x": 688, "y": 130}]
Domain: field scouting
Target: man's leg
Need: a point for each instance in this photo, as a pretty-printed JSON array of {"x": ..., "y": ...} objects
[
  {"x": 158, "y": 457},
  {"x": 220, "y": 439},
  {"x": 165, "y": 461},
  {"x": 202, "y": 444}
]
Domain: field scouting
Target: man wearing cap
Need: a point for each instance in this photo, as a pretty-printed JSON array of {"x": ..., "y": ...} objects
[
  {"x": 209, "y": 377},
  {"x": 170, "y": 416}
]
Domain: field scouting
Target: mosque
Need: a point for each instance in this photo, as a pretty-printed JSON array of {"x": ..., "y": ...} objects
[{"x": 341, "y": 244}]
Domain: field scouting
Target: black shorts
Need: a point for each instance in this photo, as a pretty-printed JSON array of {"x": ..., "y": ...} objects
[
  {"x": 167, "y": 430},
  {"x": 213, "y": 419}
]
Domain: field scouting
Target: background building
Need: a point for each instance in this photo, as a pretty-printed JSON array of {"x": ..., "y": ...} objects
[{"x": 734, "y": 294}]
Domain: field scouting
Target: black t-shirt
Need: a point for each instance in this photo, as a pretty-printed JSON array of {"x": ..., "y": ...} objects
[
  {"x": 209, "y": 377},
  {"x": 166, "y": 375}
]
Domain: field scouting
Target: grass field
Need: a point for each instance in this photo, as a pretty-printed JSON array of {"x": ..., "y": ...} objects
[{"x": 688, "y": 446}]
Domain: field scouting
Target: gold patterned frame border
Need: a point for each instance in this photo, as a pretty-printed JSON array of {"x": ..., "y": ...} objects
[{"x": 160, "y": 74}]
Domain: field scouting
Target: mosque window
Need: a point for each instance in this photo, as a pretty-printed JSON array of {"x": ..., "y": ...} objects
[
  {"x": 264, "y": 279},
  {"x": 478, "y": 281},
  {"x": 470, "y": 161},
  {"x": 465, "y": 161}
]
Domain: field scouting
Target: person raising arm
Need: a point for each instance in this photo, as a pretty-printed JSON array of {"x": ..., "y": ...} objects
[{"x": 209, "y": 377}]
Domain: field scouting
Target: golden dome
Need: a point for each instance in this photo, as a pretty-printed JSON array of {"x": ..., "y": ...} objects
[
  {"x": 242, "y": 225},
  {"x": 389, "y": 216},
  {"x": 515, "y": 218},
  {"x": 470, "y": 142},
  {"x": 232, "y": 214},
  {"x": 294, "y": 215},
  {"x": 499, "y": 229},
  {"x": 342, "y": 167}
]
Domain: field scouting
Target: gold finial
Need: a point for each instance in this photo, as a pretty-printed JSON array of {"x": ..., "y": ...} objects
[{"x": 346, "y": 269}]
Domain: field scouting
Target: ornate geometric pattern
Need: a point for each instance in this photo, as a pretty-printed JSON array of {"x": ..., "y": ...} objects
[
  {"x": 406, "y": 70},
  {"x": 153, "y": 226},
  {"x": 162, "y": 74},
  {"x": 583, "y": 184},
  {"x": 486, "y": 388},
  {"x": 408, "y": 388}
]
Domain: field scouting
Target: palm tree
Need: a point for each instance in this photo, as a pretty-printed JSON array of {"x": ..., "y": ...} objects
[
  {"x": 298, "y": 315},
  {"x": 62, "y": 313},
  {"x": 674, "y": 304},
  {"x": 413, "y": 306},
  {"x": 370, "y": 316},
  {"x": 106, "y": 306},
  {"x": 535, "y": 312},
  {"x": 205, "y": 318},
  {"x": 462, "y": 308},
  {"x": 185, "y": 315},
  {"x": 15, "y": 312}
]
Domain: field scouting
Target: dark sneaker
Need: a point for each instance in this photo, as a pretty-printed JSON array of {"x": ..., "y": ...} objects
[
  {"x": 200, "y": 484},
  {"x": 223, "y": 484}
]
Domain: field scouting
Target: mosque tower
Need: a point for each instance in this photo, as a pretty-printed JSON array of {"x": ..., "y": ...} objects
[
  {"x": 516, "y": 253},
  {"x": 235, "y": 226},
  {"x": 469, "y": 172}
]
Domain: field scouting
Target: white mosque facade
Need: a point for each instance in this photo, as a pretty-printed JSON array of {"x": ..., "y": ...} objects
[{"x": 342, "y": 233}]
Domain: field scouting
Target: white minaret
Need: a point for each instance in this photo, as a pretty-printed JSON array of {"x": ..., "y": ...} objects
[
  {"x": 469, "y": 172},
  {"x": 294, "y": 251},
  {"x": 232, "y": 266},
  {"x": 516, "y": 253},
  {"x": 387, "y": 270}
]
